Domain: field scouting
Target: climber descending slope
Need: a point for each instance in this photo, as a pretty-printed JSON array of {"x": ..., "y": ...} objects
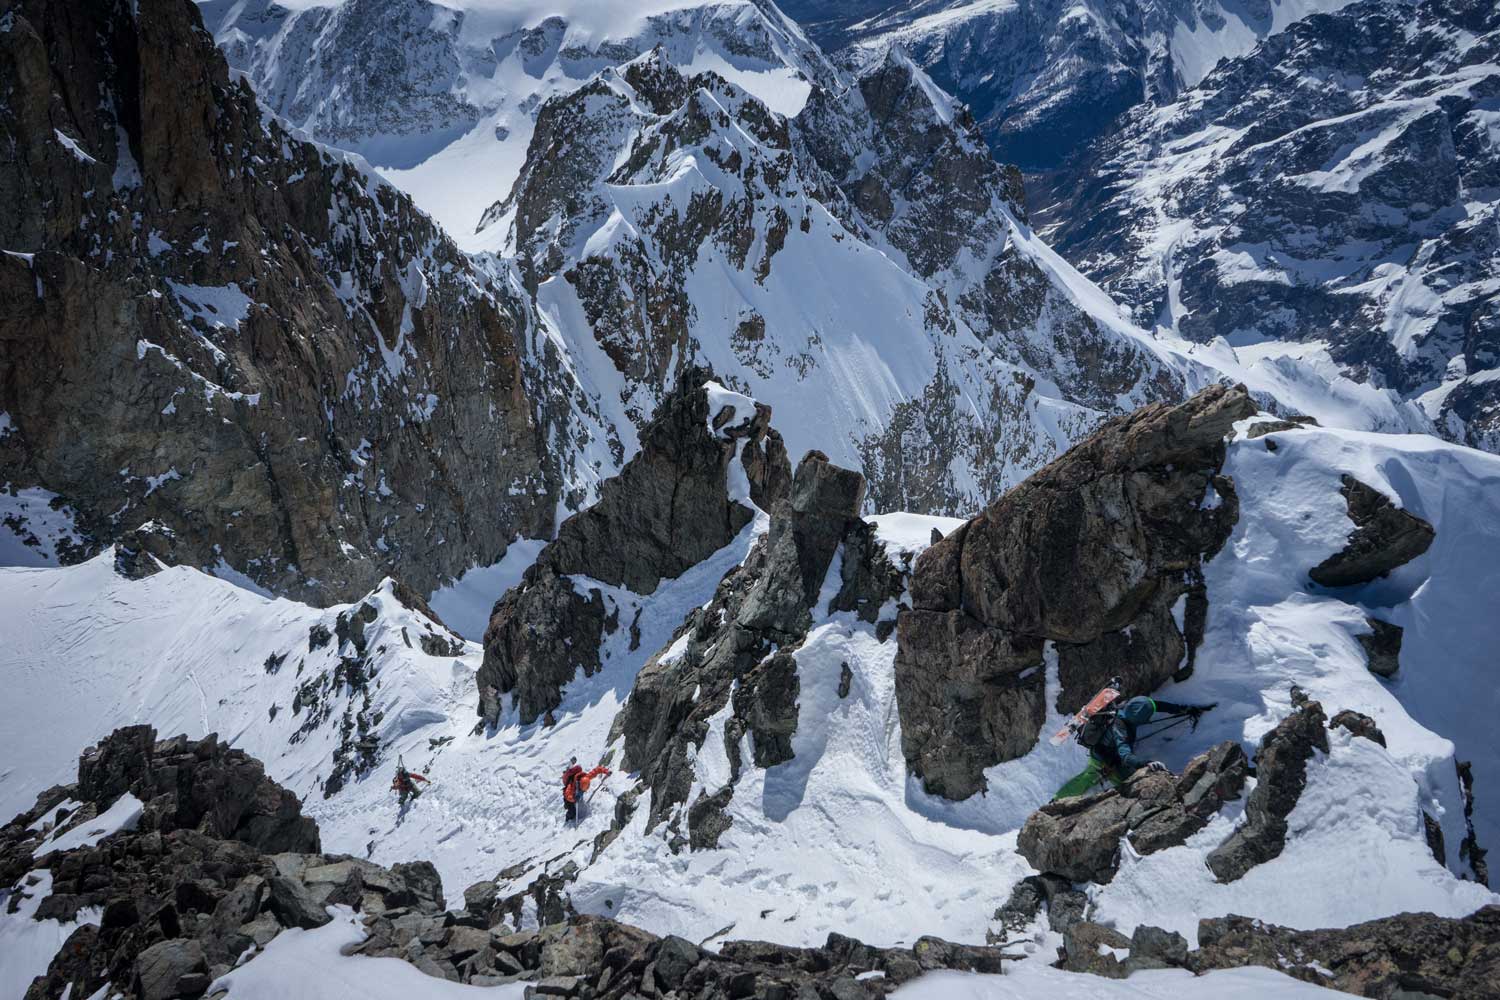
[{"x": 1110, "y": 729}]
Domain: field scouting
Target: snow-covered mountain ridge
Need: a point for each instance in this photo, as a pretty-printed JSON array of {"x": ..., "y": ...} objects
[
  {"x": 1335, "y": 191},
  {"x": 833, "y": 832}
]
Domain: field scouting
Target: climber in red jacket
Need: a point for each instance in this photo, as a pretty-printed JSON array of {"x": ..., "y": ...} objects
[
  {"x": 575, "y": 785},
  {"x": 404, "y": 784}
]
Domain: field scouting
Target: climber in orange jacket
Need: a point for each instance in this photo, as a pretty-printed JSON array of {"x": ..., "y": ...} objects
[{"x": 575, "y": 785}]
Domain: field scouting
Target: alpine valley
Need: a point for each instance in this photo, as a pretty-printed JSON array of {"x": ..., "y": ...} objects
[{"x": 791, "y": 415}]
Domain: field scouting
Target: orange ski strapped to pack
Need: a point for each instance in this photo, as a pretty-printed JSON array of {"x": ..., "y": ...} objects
[{"x": 1075, "y": 725}]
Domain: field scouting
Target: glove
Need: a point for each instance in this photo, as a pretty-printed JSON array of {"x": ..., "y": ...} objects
[{"x": 1157, "y": 765}]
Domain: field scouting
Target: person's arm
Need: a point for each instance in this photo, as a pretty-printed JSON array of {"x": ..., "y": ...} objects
[{"x": 1130, "y": 761}]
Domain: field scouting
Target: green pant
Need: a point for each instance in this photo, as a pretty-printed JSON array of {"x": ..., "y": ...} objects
[{"x": 1083, "y": 783}]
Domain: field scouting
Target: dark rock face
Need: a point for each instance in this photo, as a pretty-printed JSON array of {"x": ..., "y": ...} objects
[
  {"x": 1280, "y": 776},
  {"x": 278, "y": 350},
  {"x": 201, "y": 785},
  {"x": 760, "y": 614},
  {"x": 1384, "y": 538},
  {"x": 1091, "y": 553},
  {"x": 1470, "y": 850},
  {"x": 1408, "y": 955},
  {"x": 1087, "y": 948},
  {"x": 666, "y": 511},
  {"x": 1079, "y": 838},
  {"x": 1382, "y": 647}
]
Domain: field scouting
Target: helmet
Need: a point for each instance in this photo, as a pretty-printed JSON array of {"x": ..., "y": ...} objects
[{"x": 572, "y": 760}]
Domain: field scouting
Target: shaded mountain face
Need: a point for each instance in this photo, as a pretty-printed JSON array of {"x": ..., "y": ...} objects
[
  {"x": 1337, "y": 187},
  {"x": 234, "y": 346}
]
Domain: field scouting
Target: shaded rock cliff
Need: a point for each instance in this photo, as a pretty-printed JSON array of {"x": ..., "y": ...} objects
[
  {"x": 1098, "y": 554},
  {"x": 242, "y": 340}
]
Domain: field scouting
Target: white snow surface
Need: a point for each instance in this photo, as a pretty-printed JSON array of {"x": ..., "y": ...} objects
[
  {"x": 465, "y": 604},
  {"x": 27, "y": 944},
  {"x": 124, "y": 814}
]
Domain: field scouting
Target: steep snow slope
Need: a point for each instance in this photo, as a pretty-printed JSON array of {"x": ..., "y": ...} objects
[{"x": 838, "y": 838}]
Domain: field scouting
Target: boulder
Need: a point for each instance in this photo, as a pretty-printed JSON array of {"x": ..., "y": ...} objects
[
  {"x": 1280, "y": 776},
  {"x": 1384, "y": 537},
  {"x": 1095, "y": 949},
  {"x": 1358, "y": 724},
  {"x": 1155, "y": 948},
  {"x": 1092, "y": 553},
  {"x": 1078, "y": 838},
  {"x": 168, "y": 969}
]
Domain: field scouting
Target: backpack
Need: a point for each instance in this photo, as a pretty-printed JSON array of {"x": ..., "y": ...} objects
[{"x": 1096, "y": 728}]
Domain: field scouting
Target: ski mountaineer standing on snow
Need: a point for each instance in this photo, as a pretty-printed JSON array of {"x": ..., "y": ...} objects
[
  {"x": 575, "y": 785},
  {"x": 1110, "y": 736}
]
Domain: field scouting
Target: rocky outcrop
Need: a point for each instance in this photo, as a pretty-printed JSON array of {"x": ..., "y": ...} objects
[
  {"x": 1064, "y": 903},
  {"x": 1382, "y": 646},
  {"x": 219, "y": 861},
  {"x": 1079, "y": 838},
  {"x": 594, "y": 956},
  {"x": 1280, "y": 776},
  {"x": 1407, "y": 955},
  {"x": 244, "y": 340},
  {"x": 1092, "y": 554},
  {"x": 742, "y": 644},
  {"x": 1384, "y": 538},
  {"x": 667, "y": 510}
]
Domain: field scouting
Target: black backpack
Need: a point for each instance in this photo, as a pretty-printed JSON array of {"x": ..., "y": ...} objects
[{"x": 1095, "y": 729}]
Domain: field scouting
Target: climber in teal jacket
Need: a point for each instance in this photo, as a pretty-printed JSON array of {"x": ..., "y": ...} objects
[{"x": 1110, "y": 736}]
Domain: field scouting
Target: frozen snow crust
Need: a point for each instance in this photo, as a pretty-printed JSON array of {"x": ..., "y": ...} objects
[{"x": 838, "y": 838}]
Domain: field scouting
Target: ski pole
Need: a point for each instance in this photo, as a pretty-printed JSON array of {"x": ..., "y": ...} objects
[{"x": 1177, "y": 721}]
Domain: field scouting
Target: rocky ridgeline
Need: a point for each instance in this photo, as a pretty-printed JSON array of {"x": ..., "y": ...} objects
[
  {"x": 1096, "y": 554},
  {"x": 738, "y": 650},
  {"x": 667, "y": 510},
  {"x": 236, "y": 346},
  {"x": 220, "y": 860}
]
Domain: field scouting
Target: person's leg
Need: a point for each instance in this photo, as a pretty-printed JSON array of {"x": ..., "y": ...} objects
[
  {"x": 1082, "y": 783},
  {"x": 571, "y": 810}
]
